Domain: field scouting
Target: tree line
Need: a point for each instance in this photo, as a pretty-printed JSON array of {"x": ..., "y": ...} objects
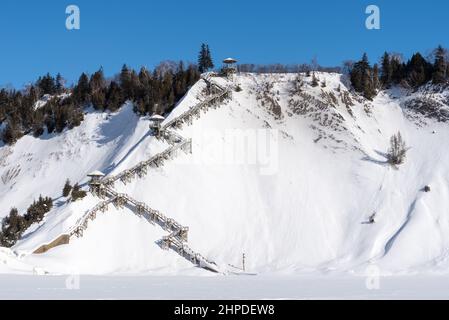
[
  {"x": 14, "y": 225},
  {"x": 159, "y": 90},
  {"x": 413, "y": 73},
  {"x": 150, "y": 91}
]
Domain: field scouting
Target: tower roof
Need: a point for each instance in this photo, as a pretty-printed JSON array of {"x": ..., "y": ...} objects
[
  {"x": 96, "y": 174},
  {"x": 229, "y": 60},
  {"x": 157, "y": 117}
]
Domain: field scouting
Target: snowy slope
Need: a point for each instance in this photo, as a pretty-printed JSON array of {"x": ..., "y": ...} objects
[{"x": 300, "y": 207}]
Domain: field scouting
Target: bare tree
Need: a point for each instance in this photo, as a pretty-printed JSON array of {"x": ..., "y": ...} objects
[{"x": 397, "y": 152}]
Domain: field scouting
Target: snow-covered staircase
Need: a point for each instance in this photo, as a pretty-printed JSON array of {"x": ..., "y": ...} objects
[{"x": 178, "y": 236}]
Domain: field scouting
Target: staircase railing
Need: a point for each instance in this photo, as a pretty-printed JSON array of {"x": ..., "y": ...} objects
[
  {"x": 178, "y": 234},
  {"x": 155, "y": 161},
  {"x": 195, "y": 109}
]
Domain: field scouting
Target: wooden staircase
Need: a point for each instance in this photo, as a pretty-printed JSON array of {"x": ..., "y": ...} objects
[
  {"x": 212, "y": 102},
  {"x": 141, "y": 169},
  {"x": 178, "y": 235}
]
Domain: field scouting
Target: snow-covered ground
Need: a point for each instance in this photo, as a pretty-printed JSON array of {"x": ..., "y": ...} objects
[
  {"x": 220, "y": 288},
  {"x": 299, "y": 206}
]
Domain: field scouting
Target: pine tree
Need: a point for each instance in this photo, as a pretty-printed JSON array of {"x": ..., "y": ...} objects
[
  {"x": 77, "y": 193},
  {"x": 440, "y": 66},
  {"x": 205, "y": 62},
  {"x": 125, "y": 82},
  {"x": 397, "y": 69},
  {"x": 192, "y": 76},
  {"x": 13, "y": 227},
  {"x": 37, "y": 210},
  {"x": 144, "y": 82},
  {"x": 11, "y": 132},
  {"x": 81, "y": 92},
  {"x": 376, "y": 81},
  {"x": 61, "y": 115},
  {"x": 209, "y": 61},
  {"x": 67, "y": 189},
  {"x": 418, "y": 70},
  {"x": 386, "y": 70},
  {"x": 60, "y": 83},
  {"x": 362, "y": 78},
  {"x": 49, "y": 123},
  {"x": 114, "y": 97},
  {"x": 97, "y": 81},
  {"x": 202, "y": 59},
  {"x": 47, "y": 84},
  {"x": 37, "y": 126},
  {"x": 97, "y": 85}
]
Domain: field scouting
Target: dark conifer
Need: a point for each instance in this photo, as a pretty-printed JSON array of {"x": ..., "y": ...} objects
[
  {"x": 440, "y": 66},
  {"x": 386, "y": 75},
  {"x": 81, "y": 92},
  {"x": 205, "y": 62},
  {"x": 67, "y": 188}
]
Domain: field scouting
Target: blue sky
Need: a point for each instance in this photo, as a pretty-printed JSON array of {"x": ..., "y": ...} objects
[{"x": 144, "y": 32}]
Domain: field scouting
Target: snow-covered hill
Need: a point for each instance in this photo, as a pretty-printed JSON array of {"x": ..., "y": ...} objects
[{"x": 296, "y": 200}]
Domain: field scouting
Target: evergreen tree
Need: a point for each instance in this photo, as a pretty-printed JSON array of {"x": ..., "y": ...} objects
[
  {"x": 125, "y": 81},
  {"x": 49, "y": 123},
  {"x": 205, "y": 62},
  {"x": 386, "y": 74},
  {"x": 67, "y": 188},
  {"x": 14, "y": 225},
  {"x": 362, "y": 78},
  {"x": 151, "y": 92},
  {"x": 209, "y": 61},
  {"x": 74, "y": 114},
  {"x": 47, "y": 84},
  {"x": 202, "y": 59},
  {"x": 418, "y": 71},
  {"x": 37, "y": 210},
  {"x": 60, "y": 117},
  {"x": 440, "y": 66},
  {"x": 78, "y": 193},
  {"x": 11, "y": 132},
  {"x": 38, "y": 123},
  {"x": 81, "y": 92},
  {"x": 397, "y": 69},
  {"x": 376, "y": 81},
  {"x": 12, "y": 228},
  {"x": 192, "y": 76},
  {"x": 59, "y": 84},
  {"x": 97, "y": 88},
  {"x": 114, "y": 97}
]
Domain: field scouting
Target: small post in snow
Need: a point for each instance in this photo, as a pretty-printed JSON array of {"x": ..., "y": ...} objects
[{"x": 243, "y": 262}]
